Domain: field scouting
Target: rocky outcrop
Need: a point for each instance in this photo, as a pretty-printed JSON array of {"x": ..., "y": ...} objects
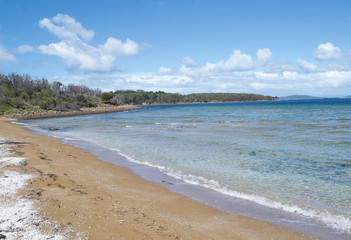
[{"x": 24, "y": 115}]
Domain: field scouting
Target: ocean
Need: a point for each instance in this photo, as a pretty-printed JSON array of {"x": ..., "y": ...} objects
[{"x": 288, "y": 162}]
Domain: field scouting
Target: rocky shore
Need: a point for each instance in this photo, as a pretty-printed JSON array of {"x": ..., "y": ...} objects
[{"x": 40, "y": 113}]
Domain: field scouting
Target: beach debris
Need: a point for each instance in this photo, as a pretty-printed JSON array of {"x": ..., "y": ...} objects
[
  {"x": 252, "y": 153},
  {"x": 19, "y": 217},
  {"x": 167, "y": 182}
]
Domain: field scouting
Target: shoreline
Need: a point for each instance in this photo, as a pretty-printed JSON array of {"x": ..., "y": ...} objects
[
  {"x": 106, "y": 201},
  {"x": 37, "y": 114}
]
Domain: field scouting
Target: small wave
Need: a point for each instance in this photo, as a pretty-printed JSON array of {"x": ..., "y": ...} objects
[
  {"x": 337, "y": 222},
  {"x": 192, "y": 121},
  {"x": 344, "y": 119},
  {"x": 172, "y": 126},
  {"x": 342, "y": 144},
  {"x": 123, "y": 126},
  {"x": 223, "y": 121}
]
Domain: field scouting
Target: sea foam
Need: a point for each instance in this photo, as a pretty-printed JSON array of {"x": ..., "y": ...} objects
[{"x": 337, "y": 222}]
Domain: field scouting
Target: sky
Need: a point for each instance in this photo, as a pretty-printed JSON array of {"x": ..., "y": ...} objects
[{"x": 276, "y": 48}]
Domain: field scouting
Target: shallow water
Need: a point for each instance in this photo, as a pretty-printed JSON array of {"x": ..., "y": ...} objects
[{"x": 293, "y": 156}]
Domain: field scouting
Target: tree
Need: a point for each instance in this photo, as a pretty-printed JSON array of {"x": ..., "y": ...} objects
[{"x": 107, "y": 96}]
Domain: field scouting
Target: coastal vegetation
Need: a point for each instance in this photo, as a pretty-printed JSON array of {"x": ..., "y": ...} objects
[
  {"x": 22, "y": 92},
  {"x": 141, "y": 97},
  {"x": 25, "y": 93}
]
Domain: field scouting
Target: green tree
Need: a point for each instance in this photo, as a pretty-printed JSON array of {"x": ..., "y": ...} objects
[{"x": 107, "y": 96}]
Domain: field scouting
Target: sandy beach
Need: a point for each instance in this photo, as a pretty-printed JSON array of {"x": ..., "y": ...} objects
[{"x": 84, "y": 197}]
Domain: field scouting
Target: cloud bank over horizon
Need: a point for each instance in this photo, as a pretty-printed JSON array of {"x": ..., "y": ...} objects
[{"x": 240, "y": 73}]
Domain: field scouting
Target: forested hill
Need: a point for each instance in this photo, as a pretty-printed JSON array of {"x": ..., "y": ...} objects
[
  {"x": 141, "y": 97},
  {"x": 25, "y": 93}
]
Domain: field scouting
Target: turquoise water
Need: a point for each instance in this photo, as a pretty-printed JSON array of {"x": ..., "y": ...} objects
[{"x": 289, "y": 155}]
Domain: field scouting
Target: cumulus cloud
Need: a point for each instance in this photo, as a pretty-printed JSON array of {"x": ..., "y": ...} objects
[
  {"x": 242, "y": 62},
  {"x": 75, "y": 50},
  {"x": 327, "y": 51},
  {"x": 238, "y": 62},
  {"x": 306, "y": 66},
  {"x": 77, "y": 53},
  {"x": 117, "y": 47},
  {"x": 264, "y": 56},
  {"x": 25, "y": 49},
  {"x": 5, "y": 55},
  {"x": 66, "y": 27}
]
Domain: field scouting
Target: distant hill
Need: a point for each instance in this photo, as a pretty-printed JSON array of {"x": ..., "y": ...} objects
[{"x": 298, "y": 97}]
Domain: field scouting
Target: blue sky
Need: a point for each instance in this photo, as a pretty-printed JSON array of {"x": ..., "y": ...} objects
[{"x": 269, "y": 47}]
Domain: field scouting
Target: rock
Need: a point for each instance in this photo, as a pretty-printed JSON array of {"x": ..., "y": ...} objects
[
  {"x": 2, "y": 236},
  {"x": 53, "y": 129}
]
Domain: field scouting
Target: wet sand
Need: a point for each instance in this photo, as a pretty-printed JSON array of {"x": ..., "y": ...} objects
[{"x": 88, "y": 197}]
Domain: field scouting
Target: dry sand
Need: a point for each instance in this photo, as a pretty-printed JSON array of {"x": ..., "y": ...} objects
[{"x": 89, "y": 198}]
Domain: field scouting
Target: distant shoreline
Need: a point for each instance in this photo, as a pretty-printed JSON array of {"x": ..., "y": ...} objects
[{"x": 212, "y": 102}]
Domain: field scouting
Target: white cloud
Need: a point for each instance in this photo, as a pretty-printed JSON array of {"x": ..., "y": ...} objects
[
  {"x": 213, "y": 67},
  {"x": 66, "y": 27},
  {"x": 264, "y": 56},
  {"x": 327, "y": 51},
  {"x": 330, "y": 83},
  {"x": 76, "y": 53},
  {"x": 25, "y": 49},
  {"x": 288, "y": 75},
  {"x": 307, "y": 66},
  {"x": 164, "y": 70},
  {"x": 117, "y": 47},
  {"x": 239, "y": 61},
  {"x": 74, "y": 49},
  {"x": 236, "y": 62},
  {"x": 279, "y": 67},
  {"x": 5, "y": 55},
  {"x": 188, "y": 62}
]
